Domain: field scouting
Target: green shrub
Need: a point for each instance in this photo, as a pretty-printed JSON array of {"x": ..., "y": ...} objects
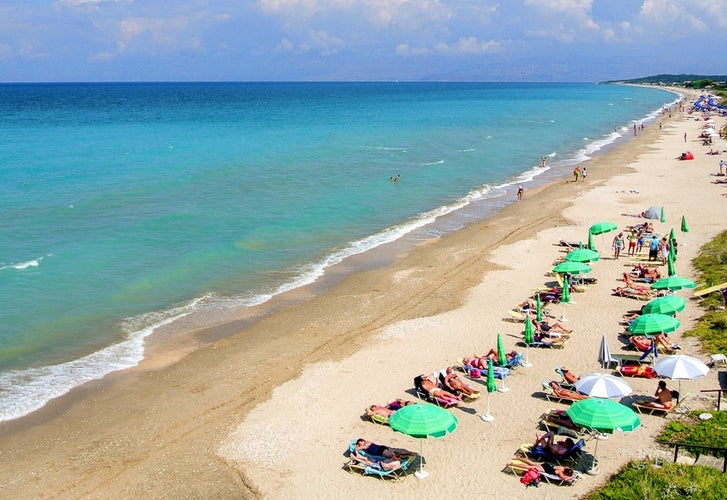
[{"x": 648, "y": 480}]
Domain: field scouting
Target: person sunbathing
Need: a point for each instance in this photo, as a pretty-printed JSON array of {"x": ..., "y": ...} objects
[
  {"x": 429, "y": 384},
  {"x": 390, "y": 463},
  {"x": 378, "y": 450},
  {"x": 493, "y": 355},
  {"x": 631, "y": 284},
  {"x": 398, "y": 404},
  {"x": 663, "y": 397},
  {"x": 545, "y": 326},
  {"x": 547, "y": 442},
  {"x": 646, "y": 272},
  {"x": 456, "y": 385},
  {"x": 568, "y": 375},
  {"x": 662, "y": 340},
  {"x": 546, "y": 341},
  {"x": 625, "y": 291},
  {"x": 561, "y": 392},
  {"x": 563, "y": 472},
  {"x": 381, "y": 411}
]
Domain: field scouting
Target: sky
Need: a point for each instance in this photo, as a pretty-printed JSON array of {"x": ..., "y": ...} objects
[{"x": 359, "y": 40}]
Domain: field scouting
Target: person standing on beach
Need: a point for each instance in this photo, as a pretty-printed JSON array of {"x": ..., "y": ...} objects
[
  {"x": 685, "y": 137},
  {"x": 520, "y": 191},
  {"x": 653, "y": 249},
  {"x": 618, "y": 244},
  {"x": 576, "y": 173},
  {"x": 584, "y": 173}
]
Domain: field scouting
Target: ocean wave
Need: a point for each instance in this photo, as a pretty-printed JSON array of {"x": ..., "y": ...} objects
[
  {"x": 25, "y": 391},
  {"x": 24, "y": 265}
]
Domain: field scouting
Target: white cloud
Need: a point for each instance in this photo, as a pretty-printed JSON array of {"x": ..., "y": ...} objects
[{"x": 469, "y": 45}]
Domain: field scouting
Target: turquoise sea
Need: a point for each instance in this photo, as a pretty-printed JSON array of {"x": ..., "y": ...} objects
[{"x": 126, "y": 207}]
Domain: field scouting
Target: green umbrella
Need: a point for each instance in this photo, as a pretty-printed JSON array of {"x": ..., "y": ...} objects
[
  {"x": 422, "y": 420},
  {"x": 671, "y": 235},
  {"x": 653, "y": 323},
  {"x": 501, "y": 357},
  {"x": 572, "y": 267},
  {"x": 591, "y": 245},
  {"x": 602, "y": 227},
  {"x": 669, "y": 304},
  {"x": 582, "y": 255},
  {"x": 673, "y": 283},
  {"x": 685, "y": 229},
  {"x": 491, "y": 387},
  {"x": 565, "y": 296},
  {"x": 670, "y": 265},
  {"x": 603, "y": 415},
  {"x": 528, "y": 337},
  {"x": 538, "y": 309},
  {"x": 663, "y": 216}
]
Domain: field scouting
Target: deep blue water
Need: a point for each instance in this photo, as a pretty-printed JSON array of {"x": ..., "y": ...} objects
[{"x": 125, "y": 206}]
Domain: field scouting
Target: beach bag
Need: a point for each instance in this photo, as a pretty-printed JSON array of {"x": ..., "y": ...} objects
[
  {"x": 475, "y": 373},
  {"x": 531, "y": 477}
]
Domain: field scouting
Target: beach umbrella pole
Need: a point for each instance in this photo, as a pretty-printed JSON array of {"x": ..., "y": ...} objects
[
  {"x": 503, "y": 388},
  {"x": 421, "y": 473},
  {"x": 487, "y": 417},
  {"x": 527, "y": 363}
]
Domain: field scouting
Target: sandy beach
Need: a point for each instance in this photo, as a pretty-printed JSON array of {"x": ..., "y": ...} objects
[{"x": 268, "y": 412}]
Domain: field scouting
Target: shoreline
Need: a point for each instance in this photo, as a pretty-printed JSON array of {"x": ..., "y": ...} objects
[{"x": 139, "y": 419}]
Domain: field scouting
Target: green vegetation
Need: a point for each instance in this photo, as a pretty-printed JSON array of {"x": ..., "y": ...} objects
[
  {"x": 650, "y": 480},
  {"x": 711, "y": 266},
  {"x": 702, "y": 432}
]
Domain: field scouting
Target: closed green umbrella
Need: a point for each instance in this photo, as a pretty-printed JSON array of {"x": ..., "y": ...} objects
[
  {"x": 673, "y": 283},
  {"x": 538, "y": 309},
  {"x": 501, "y": 360},
  {"x": 602, "y": 227},
  {"x": 582, "y": 255},
  {"x": 572, "y": 267},
  {"x": 501, "y": 357},
  {"x": 663, "y": 216},
  {"x": 652, "y": 323},
  {"x": 491, "y": 387},
  {"x": 685, "y": 228},
  {"x": 669, "y": 304},
  {"x": 591, "y": 245},
  {"x": 528, "y": 338},
  {"x": 422, "y": 420},
  {"x": 565, "y": 296},
  {"x": 670, "y": 265}
]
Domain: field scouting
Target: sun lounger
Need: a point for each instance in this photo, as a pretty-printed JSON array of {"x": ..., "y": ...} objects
[
  {"x": 551, "y": 343},
  {"x": 367, "y": 470},
  {"x": 396, "y": 474},
  {"x": 633, "y": 293},
  {"x": 645, "y": 409}
]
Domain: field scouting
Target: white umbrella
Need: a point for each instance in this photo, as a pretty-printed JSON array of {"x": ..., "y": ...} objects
[
  {"x": 601, "y": 385},
  {"x": 680, "y": 367}
]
